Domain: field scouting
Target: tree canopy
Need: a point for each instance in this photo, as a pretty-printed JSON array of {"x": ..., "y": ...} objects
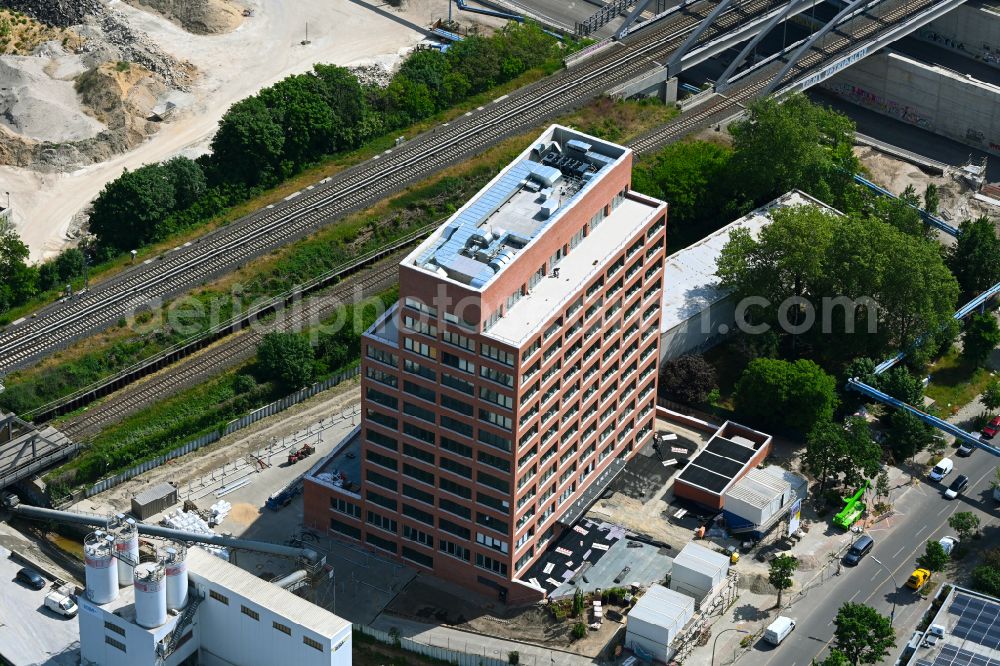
[
  {"x": 975, "y": 257},
  {"x": 780, "y": 573},
  {"x": 804, "y": 146},
  {"x": 862, "y": 634},
  {"x": 774, "y": 392},
  {"x": 934, "y": 558},
  {"x": 285, "y": 357},
  {"x": 980, "y": 338},
  {"x": 840, "y": 285}
]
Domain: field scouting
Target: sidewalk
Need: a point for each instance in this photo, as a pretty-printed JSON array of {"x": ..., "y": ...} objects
[{"x": 462, "y": 641}]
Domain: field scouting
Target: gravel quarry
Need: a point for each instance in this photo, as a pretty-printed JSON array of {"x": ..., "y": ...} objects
[{"x": 57, "y": 151}]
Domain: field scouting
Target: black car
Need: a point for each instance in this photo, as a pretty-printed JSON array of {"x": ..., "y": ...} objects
[
  {"x": 960, "y": 483},
  {"x": 31, "y": 578},
  {"x": 858, "y": 550}
]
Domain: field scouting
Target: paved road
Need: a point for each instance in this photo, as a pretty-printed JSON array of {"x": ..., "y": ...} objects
[{"x": 922, "y": 514}]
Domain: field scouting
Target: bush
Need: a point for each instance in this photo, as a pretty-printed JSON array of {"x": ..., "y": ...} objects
[
  {"x": 285, "y": 357},
  {"x": 579, "y": 631},
  {"x": 986, "y": 579},
  {"x": 513, "y": 657}
]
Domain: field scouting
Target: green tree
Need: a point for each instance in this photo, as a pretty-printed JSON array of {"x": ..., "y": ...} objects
[
  {"x": 991, "y": 395},
  {"x": 285, "y": 357},
  {"x": 249, "y": 144},
  {"x": 982, "y": 335},
  {"x": 130, "y": 210},
  {"x": 975, "y": 257},
  {"x": 794, "y": 144},
  {"x": 835, "y": 658},
  {"x": 781, "y": 393},
  {"x": 780, "y": 573},
  {"x": 908, "y": 435},
  {"x": 986, "y": 579},
  {"x": 825, "y": 447},
  {"x": 691, "y": 176},
  {"x": 965, "y": 523},
  {"x": 882, "y": 488},
  {"x": 346, "y": 99},
  {"x": 188, "y": 180},
  {"x": 900, "y": 383},
  {"x": 862, "y": 455},
  {"x": 932, "y": 199},
  {"x": 863, "y": 635},
  {"x": 578, "y": 603},
  {"x": 688, "y": 379},
  {"x": 934, "y": 558},
  {"x": 17, "y": 279}
]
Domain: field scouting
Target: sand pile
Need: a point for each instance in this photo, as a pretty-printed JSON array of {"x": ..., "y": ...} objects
[
  {"x": 122, "y": 96},
  {"x": 201, "y": 17},
  {"x": 40, "y": 107}
]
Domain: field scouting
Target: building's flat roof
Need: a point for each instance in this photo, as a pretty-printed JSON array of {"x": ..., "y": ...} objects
[
  {"x": 124, "y": 607},
  {"x": 270, "y": 596},
  {"x": 582, "y": 263},
  {"x": 387, "y": 328},
  {"x": 689, "y": 282},
  {"x": 29, "y": 633},
  {"x": 517, "y": 206},
  {"x": 662, "y": 607},
  {"x": 971, "y": 624},
  {"x": 696, "y": 557},
  {"x": 758, "y": 488}
]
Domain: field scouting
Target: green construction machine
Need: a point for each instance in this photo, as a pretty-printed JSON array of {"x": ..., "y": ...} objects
[{"x": 853, "y": 508}]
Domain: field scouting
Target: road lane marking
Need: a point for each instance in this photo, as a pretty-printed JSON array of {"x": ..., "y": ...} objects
[
  {"x": 896, "y": 570},
  {"x": 896, "y": 554},
  {"x": 943, "y": 510},
  {"x": 875, "y": 575}
]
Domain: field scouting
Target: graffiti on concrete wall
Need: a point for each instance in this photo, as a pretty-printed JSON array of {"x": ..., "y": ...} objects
[
  {"x": 870, "y": 100},
  {"x": 988, "y": 53},
  {"x": 974, "y": 135}
]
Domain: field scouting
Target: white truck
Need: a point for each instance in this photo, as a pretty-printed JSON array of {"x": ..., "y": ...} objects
[
  {"x": 778, "y": 630},
  {"x": 60, "y": 603}
]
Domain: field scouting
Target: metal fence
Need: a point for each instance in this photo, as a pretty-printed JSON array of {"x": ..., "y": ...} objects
[
  {"x": 434, "y": 652},
  {"x": 231, "y": 427}
]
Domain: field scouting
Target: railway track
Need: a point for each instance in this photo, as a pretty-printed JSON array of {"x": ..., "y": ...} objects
[
  {"x": 220, "y": 252},
  {"x": 857, "y": 29},
  {"x": 228, "y": 353}
]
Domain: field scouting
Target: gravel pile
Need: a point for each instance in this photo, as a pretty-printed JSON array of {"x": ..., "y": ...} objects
[
  {"x": 372, "y": 75},
  {"x": 59, "y": 13},
  {"x": 135, "y": 46}
]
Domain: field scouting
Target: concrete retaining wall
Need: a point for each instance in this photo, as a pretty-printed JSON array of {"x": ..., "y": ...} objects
[
  {"x": 970, "y": 29},
  {"x": 933, "y": 98}
]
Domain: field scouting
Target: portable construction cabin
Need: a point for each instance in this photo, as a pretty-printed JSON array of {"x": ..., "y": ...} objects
[
  {"x": 153, "y": 500},
  {"x": 656, "y": 620},
  {"x": 697, "y": 571},
  {"x": 757, "y": 501}
]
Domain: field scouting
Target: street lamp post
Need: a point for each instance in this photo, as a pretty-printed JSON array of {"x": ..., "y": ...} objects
[
  {"x": 892, "y": 615},
  {"x": 716, "y": 641}
]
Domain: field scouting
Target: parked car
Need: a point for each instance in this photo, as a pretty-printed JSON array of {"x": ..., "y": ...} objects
[
  {"x": 960, "y": 483},
  {"x": 31, "y": 578},
  {"x": 948, "y": 543},
  {"x": 991, "y": 428},
  {"x": 941, "y": 470},
  {"x": 858, "y": 550},
  {"x": 57, "y": 602},
  {"x": 918, "y": 578},
  {"x": 778, "y": 630},
  {"x": 965, "y": 449}
]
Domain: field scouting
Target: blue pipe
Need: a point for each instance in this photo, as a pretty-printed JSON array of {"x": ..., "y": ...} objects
[
  {"x": 959, "y": 315},
  {"x": 687, "y": 87},
  {"x": 930, "y": 219},
  {"x": 934, "y": 421}
]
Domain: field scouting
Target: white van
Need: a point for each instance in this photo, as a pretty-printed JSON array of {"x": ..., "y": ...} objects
[
  {"x": 941, "y": 470},
  {"x": 778, "y": 630},
  {"x": 57, "y": 602}
]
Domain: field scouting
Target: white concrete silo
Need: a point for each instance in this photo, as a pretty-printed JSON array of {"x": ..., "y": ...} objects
[
  {"x": 177, "y": 580},
  {"x": 150, "y": 595},
  {"x": 99, "y": 566},
  {"x": 126, "y": 549}
]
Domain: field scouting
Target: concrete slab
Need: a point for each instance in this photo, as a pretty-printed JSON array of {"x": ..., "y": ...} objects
[{"x": 30, "y": 633}]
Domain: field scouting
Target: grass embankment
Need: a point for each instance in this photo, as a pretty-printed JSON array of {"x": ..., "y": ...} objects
[
  {"x": 955, "y": 382},
  {"x": 209, "y": 406},
  {"x": 105, "y": 354}
]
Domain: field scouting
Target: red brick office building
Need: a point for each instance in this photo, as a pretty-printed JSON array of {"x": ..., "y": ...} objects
[{"x": 518, "y": 366}]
